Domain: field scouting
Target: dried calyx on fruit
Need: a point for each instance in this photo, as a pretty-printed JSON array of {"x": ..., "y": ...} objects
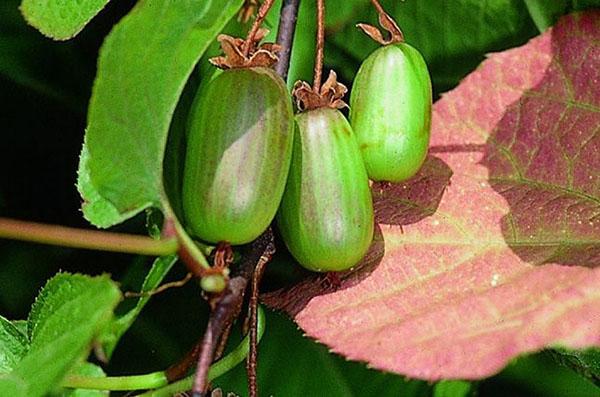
[
  {"x": 240, "y": 53},
  {"x": 326, "y": 214},
  {"x": 390, "y": 105},
  {"x": 330, "y": 95},
  {"x": 239, "y": 145}
]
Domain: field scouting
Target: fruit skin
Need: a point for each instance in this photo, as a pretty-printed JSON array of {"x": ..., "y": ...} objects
[
  {"x": 390, "y": 112},
  {"x": 326, "y": 214},
  {"x": 239, "y": 148}
]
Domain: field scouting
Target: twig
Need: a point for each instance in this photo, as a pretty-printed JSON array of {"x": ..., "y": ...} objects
[
  {"x": 251, "y": 362},
  {"x": 226, "y": 307},
  {"x": 162, "y": 288},
  {"x": 285, "y": 35},
  {"x": 320, "y": 45}
]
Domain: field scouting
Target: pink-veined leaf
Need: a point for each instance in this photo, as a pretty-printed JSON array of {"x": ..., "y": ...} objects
[{"x": 493, "y": 249}]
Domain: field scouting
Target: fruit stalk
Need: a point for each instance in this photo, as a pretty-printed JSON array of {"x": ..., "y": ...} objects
[
  {"x": 260, "y": 17},
  {"x": 318, "y": 72}
]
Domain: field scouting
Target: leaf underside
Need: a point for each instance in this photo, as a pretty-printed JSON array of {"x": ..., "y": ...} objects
[{"x": 493, "y": 249}]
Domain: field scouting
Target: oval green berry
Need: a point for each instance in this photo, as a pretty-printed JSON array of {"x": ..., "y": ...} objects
[
  {"x": 326, "y": 214},
  {"x": 390, "y": 112},
  {"x": 238, "y": 155}
]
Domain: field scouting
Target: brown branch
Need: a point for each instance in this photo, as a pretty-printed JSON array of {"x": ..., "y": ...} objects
[
  {"x": 226, "y": 308},
  {"x": 233, "y": 296},
  {"x": 285, "y": 35},
  {"x": 251, "y": 362},
  {"x": 319, "y": 46}
]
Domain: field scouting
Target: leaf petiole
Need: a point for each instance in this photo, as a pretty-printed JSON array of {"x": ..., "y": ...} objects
[
  {"x": 135, "y": 382},
  {"x": 87, "y": 239},
  {"x": 219, "y": 368},
  {"x": 156, "y": 380}
]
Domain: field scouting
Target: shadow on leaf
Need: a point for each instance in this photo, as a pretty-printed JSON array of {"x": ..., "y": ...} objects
[
  {"x": 543, "y": 158},
  {"x": 394, "y": 204},
  {"x": 293, "y": 299},
  {"x": 415, "y": 199}
]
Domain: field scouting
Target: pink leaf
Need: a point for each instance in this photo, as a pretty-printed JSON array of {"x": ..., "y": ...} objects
[{"x": 493, "y": 250}]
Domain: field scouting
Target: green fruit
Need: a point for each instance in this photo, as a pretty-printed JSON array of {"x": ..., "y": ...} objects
[
  {"x": 238, "y": 155},
  {"x": 390, "y": 112},
  {"x": 326, "y": 214}
]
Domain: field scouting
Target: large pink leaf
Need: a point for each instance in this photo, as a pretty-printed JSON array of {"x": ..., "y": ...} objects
[{"x": 494, "y": 248}]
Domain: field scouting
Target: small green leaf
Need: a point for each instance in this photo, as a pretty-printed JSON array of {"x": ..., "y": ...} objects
[
  {"x": 453, "y": 388},
  {"x": 120, "y": 325},
  {"x": 60, "y": 19},
  {"x": 142, "y": 70},
  {"x": 13, "y": 345},
  {"x": 68, "y": 313}
]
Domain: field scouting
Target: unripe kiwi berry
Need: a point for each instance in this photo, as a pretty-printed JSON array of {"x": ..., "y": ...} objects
[
  {"x": 238, "y": 155},
  {"x": 390, "y": 112},
  {"x": 326, "y": 214}
]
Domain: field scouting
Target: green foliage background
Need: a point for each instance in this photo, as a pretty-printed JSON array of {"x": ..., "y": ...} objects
[{"x": 44, "y": 90}]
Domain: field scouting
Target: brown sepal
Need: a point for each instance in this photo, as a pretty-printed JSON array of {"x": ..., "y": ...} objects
[
  {"x": 330, "y": 95},
  {"x": 258, "y": 55},
  {"x": 389, "y": 25}
]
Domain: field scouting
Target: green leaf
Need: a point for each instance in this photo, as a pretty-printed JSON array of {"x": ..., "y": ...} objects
[
  {"x": 142, "y": 70},
  {"x": 453, "y": 388},
  {"x": 66, "y": 316},
  {"x": 60, "y": 19},
  {"x": 538, "y": 375},
  {"x": 120, "y": 325},
  {"x": 544, "y": 13},
  {"x": 96, "y": 208},
  {"x": 585, "y": 362},
  {"x": 13, "y": 345},
  {"x": 21, "y": 326}
]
